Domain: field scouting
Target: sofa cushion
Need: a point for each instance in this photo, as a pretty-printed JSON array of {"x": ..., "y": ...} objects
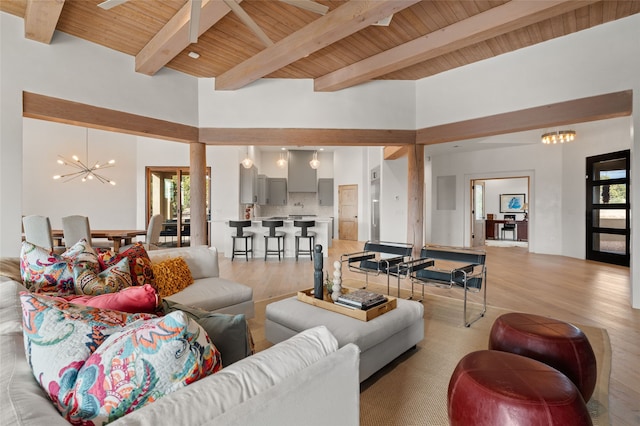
[
  {"x": 226, "y": 293},
  {"x": 111, "y": 280},
  {"x": 172, "y": 275},
  {"x": 139, "y": 263},
  {"x": 132, "y": 299},
  {"x": 202, "y": 260},
  {"x": 137, "y": 366},
  {"x": 44, "y": 271},
  {"x": 82, "y": 254},
  {"x": 52, "y": 326},
  {"x": 230, "y": 333}
]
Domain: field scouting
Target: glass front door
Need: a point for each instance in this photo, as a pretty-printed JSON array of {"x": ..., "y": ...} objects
[
  {"x": 608, "y": 208},
  {"x": 169, "y": 194}
]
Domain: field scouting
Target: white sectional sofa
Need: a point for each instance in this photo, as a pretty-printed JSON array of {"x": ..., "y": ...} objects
[
  {"x": 208, "y": 291},
  {"x": 304, "y": 380}
]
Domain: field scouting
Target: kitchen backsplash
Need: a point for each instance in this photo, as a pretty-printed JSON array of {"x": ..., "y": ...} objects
[{"x": 302, "y": 203}]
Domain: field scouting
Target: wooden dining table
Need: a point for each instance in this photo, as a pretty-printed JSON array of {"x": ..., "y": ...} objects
[{"x": 119, "y": 237}]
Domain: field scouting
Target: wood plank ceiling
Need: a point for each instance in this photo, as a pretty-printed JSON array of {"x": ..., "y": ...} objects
[{"x": 337, "y": 50}]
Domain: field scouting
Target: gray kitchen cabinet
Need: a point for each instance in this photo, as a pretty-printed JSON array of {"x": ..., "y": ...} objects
[
  {"x": 302, "y": 178},
  {"x": 277, "y": 190},
  {"x": 248, "y": 185},
  {"x": 325, "y": 192},
  {"x": 263, "y": 190}
]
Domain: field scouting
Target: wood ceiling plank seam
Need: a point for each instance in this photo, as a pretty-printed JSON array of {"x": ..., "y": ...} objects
[
  {"x": 349, "y": 18},
  {"x": 510, "y": 16}
]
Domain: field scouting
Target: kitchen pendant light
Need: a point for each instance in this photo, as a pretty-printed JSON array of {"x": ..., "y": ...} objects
[
  {"x": 247, "y": 162},
  {"x": 314, "y": 163}
]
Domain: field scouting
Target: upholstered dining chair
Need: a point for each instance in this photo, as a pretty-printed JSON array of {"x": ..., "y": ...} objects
[
  {"x": 77, "y": 227},
  {"x": 37, "y": 230},
  {"x": 152, "y": 238}
]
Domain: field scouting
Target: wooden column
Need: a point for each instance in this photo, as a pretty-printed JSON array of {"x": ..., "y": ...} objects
[
  {"x": 198, "y": 172},
  {"x": 415, "y": 209}
]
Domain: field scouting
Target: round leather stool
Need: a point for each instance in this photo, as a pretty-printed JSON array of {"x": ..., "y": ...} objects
[
  {"x": 556, "y": 343},
  {"x": 500, "y": 388}
]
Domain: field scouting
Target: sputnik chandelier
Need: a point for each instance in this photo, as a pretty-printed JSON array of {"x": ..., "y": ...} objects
[{"x": 84, "y": 171}]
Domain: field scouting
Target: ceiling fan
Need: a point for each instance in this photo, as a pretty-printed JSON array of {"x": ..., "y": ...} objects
[{"x": 196, "y": 5}]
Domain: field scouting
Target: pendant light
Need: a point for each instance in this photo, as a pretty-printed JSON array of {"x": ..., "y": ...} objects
[
  {"x": 314, "y": 163},
  {"x": 247, "y": 162}
]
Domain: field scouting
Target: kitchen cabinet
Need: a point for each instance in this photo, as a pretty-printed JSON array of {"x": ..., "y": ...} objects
[
  {"x": 325, "y": 192},
  {"x": 277, "y": 191},
  {"x": 248, "y": 185},
  {"x": 263, "y": 190},
  {"x": 302, "y": 178}
]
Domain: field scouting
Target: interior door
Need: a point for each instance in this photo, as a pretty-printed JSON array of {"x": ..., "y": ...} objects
[
  {"x": 348, "y": 212},
  {"x": 477, "y": 214},
  {"x": 608, "y": 208}
]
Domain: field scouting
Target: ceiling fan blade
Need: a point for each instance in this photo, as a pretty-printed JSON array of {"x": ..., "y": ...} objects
[
  {"x": 249, "y": 22},
  {"x": 108, "y": 4},
  {"x": 194, "y": 22},
  {"x": 309, "y": 5}
]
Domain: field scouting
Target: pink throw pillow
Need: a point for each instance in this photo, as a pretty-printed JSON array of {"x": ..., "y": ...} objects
[{"x": 137, "y": 299}]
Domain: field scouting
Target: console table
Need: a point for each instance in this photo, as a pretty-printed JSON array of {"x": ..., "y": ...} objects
[{"x": 492, "y": 231}]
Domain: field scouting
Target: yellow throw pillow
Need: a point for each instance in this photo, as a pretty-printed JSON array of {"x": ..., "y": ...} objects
[{"x": 172, "y": 275}]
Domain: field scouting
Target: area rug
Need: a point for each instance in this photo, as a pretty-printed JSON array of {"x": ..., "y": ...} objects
[{"x": 412, "y": 390}]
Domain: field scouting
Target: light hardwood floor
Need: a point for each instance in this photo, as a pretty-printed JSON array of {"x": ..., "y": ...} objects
[{"x": 569, "y": 289}]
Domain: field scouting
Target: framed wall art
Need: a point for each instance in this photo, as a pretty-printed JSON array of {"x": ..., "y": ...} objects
[{"x": 512, "y": 203}]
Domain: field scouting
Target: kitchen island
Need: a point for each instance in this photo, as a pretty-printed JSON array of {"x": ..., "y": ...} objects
[{"x": 322, "y": 229}]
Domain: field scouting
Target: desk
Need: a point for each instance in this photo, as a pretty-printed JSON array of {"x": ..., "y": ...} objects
[
  {"x": 491, "y": 229},
  {"x": 119, "y": 237}
]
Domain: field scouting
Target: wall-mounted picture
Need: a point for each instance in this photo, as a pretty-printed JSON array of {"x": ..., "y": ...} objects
[{"x": 511, "y": 203}]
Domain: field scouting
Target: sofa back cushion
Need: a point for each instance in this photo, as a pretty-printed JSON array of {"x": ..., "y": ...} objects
[{"x": 202, "y": 260}]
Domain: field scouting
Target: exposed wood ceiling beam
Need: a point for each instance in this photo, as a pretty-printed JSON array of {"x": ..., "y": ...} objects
[
  {"x": 41, "y": 18},
  {"x": 483, "y": 26},
  {"x": 583, "y": 110},
  {"x": 173, "y": 38},
  {"x": 249, "y": 22},
  {"x": 78, "y": 114},
  {"x": 306, "y": 137},
  {"x": 394, "y": 152},
  {"x": 309, "y": 5},
  {"x": 335, "y": 25}
]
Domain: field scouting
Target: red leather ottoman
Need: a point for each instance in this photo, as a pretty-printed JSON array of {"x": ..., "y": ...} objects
[
  {"x": 500, "y": 388},
  {"x": 556, "y": 343}
]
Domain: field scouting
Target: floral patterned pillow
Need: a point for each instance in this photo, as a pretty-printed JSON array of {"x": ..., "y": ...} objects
[
  {"x": 44, "y": 271},
  {"x": 111, "y": 280},
  {"x": 139, "y": 263},
  {"x": 60, "y": 336},
  {"x": 137, "y": 366}
]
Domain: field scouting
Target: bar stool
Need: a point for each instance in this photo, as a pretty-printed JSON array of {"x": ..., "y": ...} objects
[
  {"x": 240, "y": 233},
  {"x": 305, "y": 233},
  {"x": 279, "y": 235}
]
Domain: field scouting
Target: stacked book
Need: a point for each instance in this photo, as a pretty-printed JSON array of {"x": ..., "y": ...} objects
[{"x": 360, "y": 299}]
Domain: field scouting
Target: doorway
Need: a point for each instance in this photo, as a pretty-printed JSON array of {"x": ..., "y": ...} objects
[
  {"x": 169, "y": 194},
  {"x": 348, "y": 212},
  {"x": 491, "y": 211},
  {"x": 608, "y": 208}
]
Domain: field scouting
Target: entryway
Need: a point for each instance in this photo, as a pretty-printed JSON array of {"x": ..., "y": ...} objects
[
  {"x": 348, "y": 212},
  {"x": 608, "y": 209},
  {"x": 500, "y": 211}
]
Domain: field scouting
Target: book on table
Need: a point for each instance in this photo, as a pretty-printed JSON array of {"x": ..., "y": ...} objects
[{"x": 361, "y": 299}]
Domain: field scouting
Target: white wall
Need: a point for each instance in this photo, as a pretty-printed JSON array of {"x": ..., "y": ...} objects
[
  {"x": 272, "y": 103},
  {"x": 349, "y": 163},
  {"x": 394, "y": 200},
  {"x": 493, "y": 188},
  {"x": 75, "y": 70},
  {"x": 104, "y": 204}
]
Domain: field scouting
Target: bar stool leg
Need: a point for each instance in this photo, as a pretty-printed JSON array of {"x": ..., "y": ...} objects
[
  {"x": 233, "y": 249},
  {"x": 297, "y": 247},
  {"x": 311, "y": 246},
  {"x": 266, "y": 247},
  {"x": 279, "y": 249}
]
